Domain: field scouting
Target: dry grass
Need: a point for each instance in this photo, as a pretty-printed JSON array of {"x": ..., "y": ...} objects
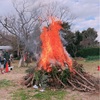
[
  {"x": 91, "y": 67},
  {"x": 18, "y": 92}
]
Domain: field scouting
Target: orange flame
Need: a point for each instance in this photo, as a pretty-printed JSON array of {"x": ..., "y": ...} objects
[{"x": 52, "y": 48}]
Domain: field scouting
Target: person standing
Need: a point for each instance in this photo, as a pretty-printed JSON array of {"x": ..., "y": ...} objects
[
  {"x": 1, "y": 62},
  {"x": 6, "y": 58}
]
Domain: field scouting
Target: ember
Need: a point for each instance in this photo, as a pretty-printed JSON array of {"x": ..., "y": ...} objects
[{"x": 52, "y": 48}]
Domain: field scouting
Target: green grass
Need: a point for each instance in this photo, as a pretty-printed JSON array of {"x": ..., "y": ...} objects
[
  {"x": 37, "y": 95},
  {"x": 5, "y": 83},
  {"x": 51, "y": 95},
  {"x": 20, "y": 95}
]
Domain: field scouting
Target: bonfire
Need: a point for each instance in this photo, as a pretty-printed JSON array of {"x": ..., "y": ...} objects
[{"x": 59, "y": 70}]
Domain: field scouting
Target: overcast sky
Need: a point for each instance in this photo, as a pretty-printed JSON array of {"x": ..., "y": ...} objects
[{"x": 86, "y": 12}]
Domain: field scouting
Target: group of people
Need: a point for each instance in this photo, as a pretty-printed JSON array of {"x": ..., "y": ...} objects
[{"x": 5, "y": 57}]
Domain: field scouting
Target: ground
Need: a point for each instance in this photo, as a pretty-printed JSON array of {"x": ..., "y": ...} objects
[{"x": 10, "y": 88}]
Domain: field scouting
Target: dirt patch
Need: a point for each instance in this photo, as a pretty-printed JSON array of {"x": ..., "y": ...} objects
[{"x": 76, "y": 95}]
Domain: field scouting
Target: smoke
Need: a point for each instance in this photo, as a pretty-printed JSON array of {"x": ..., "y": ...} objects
[
  {"x": 64, "y": 42},
  {"x": 33, "y": 44}
]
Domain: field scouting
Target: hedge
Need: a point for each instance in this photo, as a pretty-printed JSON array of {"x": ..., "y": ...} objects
[
  {"x": 90, "y": 58},
  {"x": 88, "y": 52}
]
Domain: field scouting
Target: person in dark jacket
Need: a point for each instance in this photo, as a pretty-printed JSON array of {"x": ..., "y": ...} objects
[
  {"x": 1, "y": 62},
  {"x": 6, "y": 58}
]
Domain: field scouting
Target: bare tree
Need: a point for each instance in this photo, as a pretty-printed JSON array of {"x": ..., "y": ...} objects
[
  {"x": 28, "y": 19},
  {"x": 56, "y": 10},
  {"x": 21, "y": 25},
  {"x": 3, "y": 36}
]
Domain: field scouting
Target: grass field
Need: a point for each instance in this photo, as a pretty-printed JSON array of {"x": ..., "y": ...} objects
[
  {"x": 91, "y": 67},
  {"x": 10, "y": 88}
]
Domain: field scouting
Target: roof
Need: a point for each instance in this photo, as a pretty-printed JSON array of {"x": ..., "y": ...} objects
[{"x": 6, "y": 47}]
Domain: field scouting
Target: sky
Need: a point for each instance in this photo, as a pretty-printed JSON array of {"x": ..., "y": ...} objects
[{"x": 87, "y": 12}]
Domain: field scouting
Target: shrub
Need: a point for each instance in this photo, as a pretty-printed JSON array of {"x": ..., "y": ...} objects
[
  {"x": 88, "y": 52},
  {"x": 89, "y": 58}
]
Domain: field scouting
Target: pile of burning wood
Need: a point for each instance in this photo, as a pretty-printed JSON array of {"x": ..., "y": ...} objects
[
  {"x": 80, "y": 80},
  {"x": 52, "y": 71}
]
